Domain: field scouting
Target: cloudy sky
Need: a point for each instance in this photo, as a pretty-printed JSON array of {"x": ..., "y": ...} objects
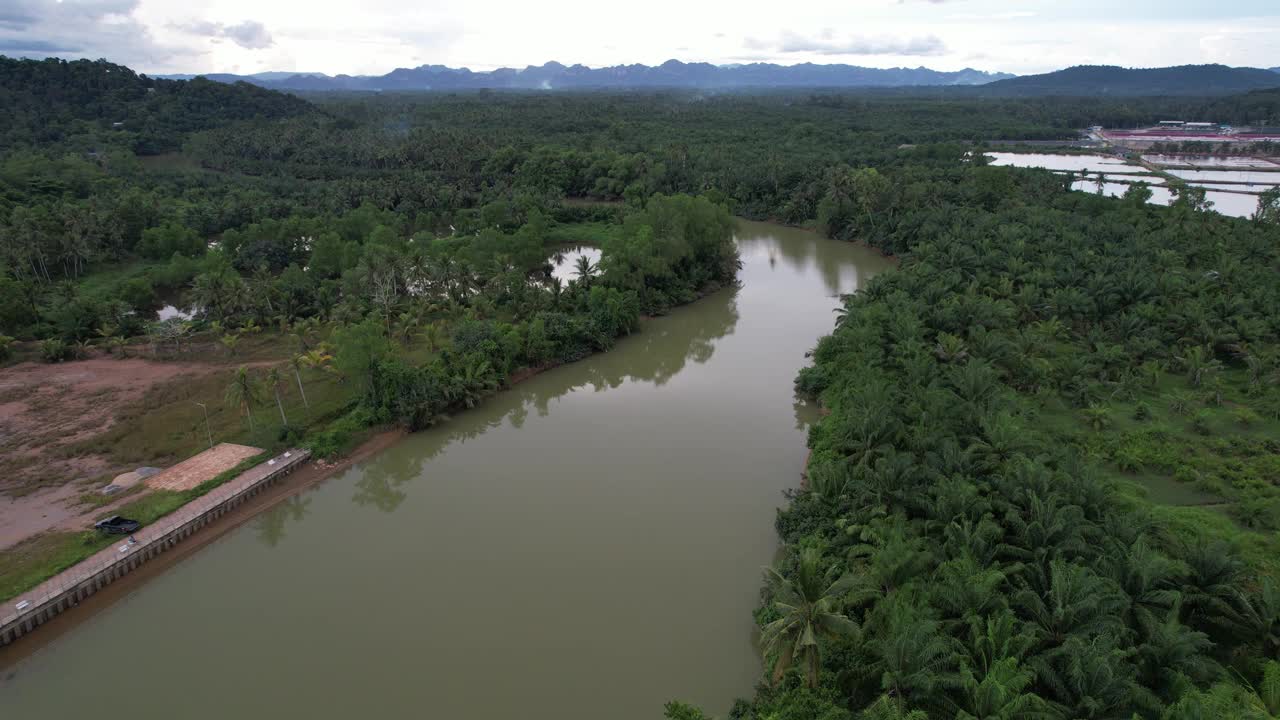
[{"x": 375, "y": 36}]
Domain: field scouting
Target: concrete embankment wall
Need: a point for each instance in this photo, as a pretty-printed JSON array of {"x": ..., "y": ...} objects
[{"x": 25, "y": 613}]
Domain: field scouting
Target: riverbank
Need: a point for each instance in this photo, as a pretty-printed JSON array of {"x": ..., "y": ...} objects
[
  {"x": 307, "y": 476},
  {"x": 671, "y": 451}
]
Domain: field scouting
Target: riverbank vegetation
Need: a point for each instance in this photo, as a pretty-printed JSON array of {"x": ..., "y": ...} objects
[
  {"x": 1047, "y": 485},
  {"x": 1007, "y": 508},
  {"x": 304, "y": 324}
]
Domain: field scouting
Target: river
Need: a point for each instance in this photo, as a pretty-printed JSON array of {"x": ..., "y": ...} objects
[{"x": 587, "y": 544}]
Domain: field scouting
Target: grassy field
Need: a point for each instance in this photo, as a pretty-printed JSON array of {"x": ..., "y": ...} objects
[
  {"x": 1200, "y": 454},
  {"x": 573, "y": 235}
]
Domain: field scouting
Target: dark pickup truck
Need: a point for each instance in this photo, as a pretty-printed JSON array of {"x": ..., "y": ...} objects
[{"x": 117, "y": 525}]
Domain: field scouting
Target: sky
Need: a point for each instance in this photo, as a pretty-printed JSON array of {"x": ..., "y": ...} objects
[{"x": 372, "y": 37}]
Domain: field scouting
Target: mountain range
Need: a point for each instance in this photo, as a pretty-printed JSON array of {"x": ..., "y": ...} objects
[
  {"x": 670, "y": 74},
  {"x": 1094, "y": 80}
]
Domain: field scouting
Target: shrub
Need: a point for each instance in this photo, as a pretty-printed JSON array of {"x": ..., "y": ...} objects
[
  {"x": 55, "y": 350},
  {"x": 1142, "y": 411},
  {"x": 137, "y": 293},
  {"x": 6, "y": 348},
  {"x": 1200, "y": 422},
  {"x": 1098, "y": 417},
  {"x": 1245, "y": 416},
  {"x": 339, "y": 436},
  {"x": 1128, "y": 459},
  {"x": 290, "y": 434},
  {"x": 1186, "y": 474},
  {"x": 169, "y": 239},
  {"x": 1181, "y": 402}
]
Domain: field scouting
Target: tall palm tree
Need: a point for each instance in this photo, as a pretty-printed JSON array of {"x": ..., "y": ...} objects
[
  {"x": 244, "y": 392},
  {"x": 809, "y": 605},
  {"x": 274, "y": 378},
  {"x": 297, "y": 363}
]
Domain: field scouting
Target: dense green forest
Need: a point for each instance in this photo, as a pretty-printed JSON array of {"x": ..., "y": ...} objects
[
  {"x": 973, "y": 539},
  {"x": 968, "y": 545}
]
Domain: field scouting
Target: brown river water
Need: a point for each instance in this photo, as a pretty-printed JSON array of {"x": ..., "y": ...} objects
[{"x": 587, "y": 544}]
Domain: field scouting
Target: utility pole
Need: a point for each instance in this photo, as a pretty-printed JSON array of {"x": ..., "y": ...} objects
[{"x": 206, "y": 423}]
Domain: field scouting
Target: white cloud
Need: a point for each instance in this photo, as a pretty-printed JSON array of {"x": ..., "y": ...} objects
[
  {"x": 249, "y": 34},
  {"x": 376, "y": 36},
  {"x": 85, "y": 28},
  {"x": 828, "y": 42}
]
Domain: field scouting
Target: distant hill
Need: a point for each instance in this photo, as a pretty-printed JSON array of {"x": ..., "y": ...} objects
[
  {"x": 1091, "y": 80},
  {"x": 262, "y": 77},
  {"x": 53, "y": 100},
  {"x": 670, "y": 74}
]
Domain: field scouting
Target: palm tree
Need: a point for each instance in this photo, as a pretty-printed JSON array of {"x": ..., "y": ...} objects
[
  {"x": 304, "y": 329},
  {"x": 1199, "y": 365},
  {"x": 106, "y": 332},
  {"x": 406, "y": 325},
  {"x": 274, "y": 379},
  {"x": 1000, "y": 693},
  {"x": 474, "y": 382},
  {"x": 917, "y": 658},
  {"x": 950, "y": 348},
  {"x": 230, "y": 342},
  {"x": 297, "y": 362},
  {"x": 809, "y": 607},
  {"x": 1077, "y": 603},
  {"x": 1231, "y": 701},
  {"x": 584, "y": 270},
  {"x": 1209, "y": 593},
  {"x": 1258, "y": 616},
  {"x": 316, "y": 359},
  {"x": 1098, "y": 416},
  {"x": 828, "y": 480},
  {"x": 116, "y": 344},
  {"x": 244, "y": 392},
  {"x": 434, "y": 336}
]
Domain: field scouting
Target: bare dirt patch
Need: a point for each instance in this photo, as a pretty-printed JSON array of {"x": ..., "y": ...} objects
[
  {"x": 207, "y": 465},
  {"x": 44, "y": 409},
  {"x": 47, "y": 414},
  {"x": 22, "y": 517}
]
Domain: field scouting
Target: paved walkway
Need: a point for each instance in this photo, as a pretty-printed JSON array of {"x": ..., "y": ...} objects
[
  {"x": 155, "y": 535},
  {"x": 202, "y": 467}
]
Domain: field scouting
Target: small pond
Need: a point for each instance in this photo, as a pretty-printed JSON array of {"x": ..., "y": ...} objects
[
  {"x": 1104, "y": 163},
  {"x": 1229, "y": 176},
  {"x": 564, "y": 263}
]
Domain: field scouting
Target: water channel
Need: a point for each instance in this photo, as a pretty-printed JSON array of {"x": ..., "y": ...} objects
[{"x": 586, "y": 544}]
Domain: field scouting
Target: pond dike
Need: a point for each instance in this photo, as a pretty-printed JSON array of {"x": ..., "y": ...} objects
[{"x": 28, "y": 611}]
